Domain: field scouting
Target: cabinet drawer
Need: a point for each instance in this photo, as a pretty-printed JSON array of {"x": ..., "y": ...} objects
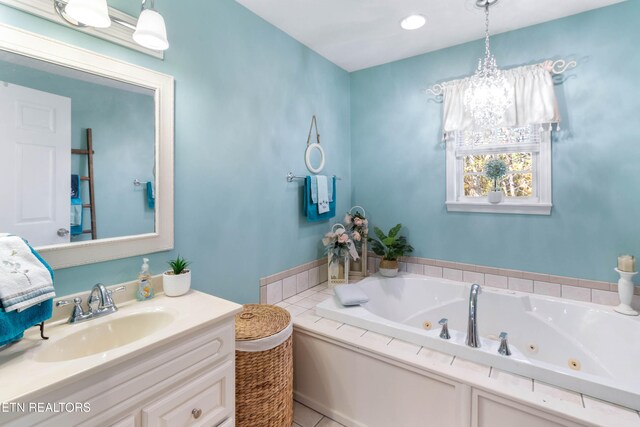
[{"x": 205, "y": 401}]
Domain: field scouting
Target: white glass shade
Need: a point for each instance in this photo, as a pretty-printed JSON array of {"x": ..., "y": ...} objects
[
  {"x": 151, "y": 31},
  {"x": 94, "y": 13}
]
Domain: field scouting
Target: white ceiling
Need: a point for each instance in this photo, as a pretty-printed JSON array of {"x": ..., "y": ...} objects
[{"x": 357, "y": 34}]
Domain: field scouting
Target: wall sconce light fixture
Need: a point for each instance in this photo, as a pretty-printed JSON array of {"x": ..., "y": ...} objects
[{"x": 150, "y": 32}]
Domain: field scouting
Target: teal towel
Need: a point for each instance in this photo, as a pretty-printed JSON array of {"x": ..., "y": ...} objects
[
  {"x": 310, "y": 209},
  {"x": 75, "y": 225},
  {"x": 14, "y": 323},
  {"x": 151, "y": 199}
]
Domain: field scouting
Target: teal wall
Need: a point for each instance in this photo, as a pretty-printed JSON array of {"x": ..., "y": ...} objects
[
  {"x": 398, "y": 159},
  {"x": 122, "y": 124},
  {"x": 245, "y": 94}
]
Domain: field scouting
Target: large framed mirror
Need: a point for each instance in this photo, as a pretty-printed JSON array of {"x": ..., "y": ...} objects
[{"x": 86, "y": 151}]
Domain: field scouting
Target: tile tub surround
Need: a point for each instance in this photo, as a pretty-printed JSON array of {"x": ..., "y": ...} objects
[
  {"x": 605, "y": 293},
  {"x": 293, "y": 282},
  {"x": 531, "y": 392},
  {"x": 288, "y": 285}
]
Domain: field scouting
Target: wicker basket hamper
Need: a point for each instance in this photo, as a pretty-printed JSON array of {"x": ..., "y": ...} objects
[{"x": 264, "y": 367}]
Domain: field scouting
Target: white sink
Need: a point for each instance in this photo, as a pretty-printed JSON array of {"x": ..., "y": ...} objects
[{"x": 104, "y": 336}]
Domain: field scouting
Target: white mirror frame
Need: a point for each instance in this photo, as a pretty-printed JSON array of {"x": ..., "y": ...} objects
[
  {"x": 36, "y": 46},
  {"x": 307, "y": 157}
]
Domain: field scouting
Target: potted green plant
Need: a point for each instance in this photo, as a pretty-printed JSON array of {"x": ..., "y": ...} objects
[
  {"x": 495, "y": 169},
  {"x": 177, "y": 280},
  {"x": 390, "y": 248}
]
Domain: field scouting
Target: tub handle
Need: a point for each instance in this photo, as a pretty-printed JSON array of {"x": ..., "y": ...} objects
[
  {"x": 504, "y": 345},
  {"x": 444, "y": 333}
]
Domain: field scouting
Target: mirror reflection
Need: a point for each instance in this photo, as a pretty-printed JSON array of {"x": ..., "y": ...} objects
[{"x": 72, "y": 148}]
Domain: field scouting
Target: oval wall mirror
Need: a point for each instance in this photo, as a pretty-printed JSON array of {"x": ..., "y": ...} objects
[{"x": 314, "y": 158}]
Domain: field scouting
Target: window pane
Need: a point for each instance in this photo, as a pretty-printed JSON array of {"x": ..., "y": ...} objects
[
  {"x": 517, "y": 162},
  {"x": 475, "y": 163},
  {"x": 476, "y": 185},
  {"x": 518, "y": 185}
]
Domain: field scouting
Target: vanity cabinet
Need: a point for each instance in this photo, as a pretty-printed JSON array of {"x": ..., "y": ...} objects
[{"x": 188, "y": 381}]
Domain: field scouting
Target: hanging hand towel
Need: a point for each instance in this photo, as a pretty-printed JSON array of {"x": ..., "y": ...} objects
[
  {"x": 314, "y": 190},
  {"x": 323, "y": 194},
  {"x": 151, "y": 198},
  {"x": 25, "y": 279},
  {"x": 310, "y": 209}
]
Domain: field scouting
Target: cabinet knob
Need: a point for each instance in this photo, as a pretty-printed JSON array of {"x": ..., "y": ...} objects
[{"x": 196, "y": 413}]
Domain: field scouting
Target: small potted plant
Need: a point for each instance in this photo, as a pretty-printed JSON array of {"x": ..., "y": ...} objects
[
  {"x": 390, "y": 248},
  {"x": 177, "y": 280},
  {"x": 495, "y": 169}
]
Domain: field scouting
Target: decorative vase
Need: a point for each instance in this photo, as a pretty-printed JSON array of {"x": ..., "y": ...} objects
[
  {"x": 388, "y": 268},
  {"x": 175, "y": 285},
  {"x": 495, "y": 196},
  {"x": 625, "y": 292}
]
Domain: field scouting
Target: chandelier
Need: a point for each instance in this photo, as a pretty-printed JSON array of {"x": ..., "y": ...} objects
[{"x": 488, "y": 95}]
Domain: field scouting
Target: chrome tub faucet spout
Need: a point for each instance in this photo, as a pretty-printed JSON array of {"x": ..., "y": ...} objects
[{"x": 472, "y": 327}]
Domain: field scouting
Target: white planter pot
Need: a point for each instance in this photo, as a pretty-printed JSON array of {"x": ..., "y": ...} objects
[
  {"x": 495, "y": 196},
  {"x": 388, "y": 272},
  {"x": 176, "y": 285}
]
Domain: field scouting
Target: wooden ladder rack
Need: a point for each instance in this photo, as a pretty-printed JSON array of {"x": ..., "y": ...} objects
[{"x": 90, "y": 179}]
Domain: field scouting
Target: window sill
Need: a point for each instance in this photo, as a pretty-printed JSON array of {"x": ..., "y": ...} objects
[{"x": 504, "y": 207}]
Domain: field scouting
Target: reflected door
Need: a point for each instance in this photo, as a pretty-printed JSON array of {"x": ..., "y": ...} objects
[{"x": 35, "y": 148}]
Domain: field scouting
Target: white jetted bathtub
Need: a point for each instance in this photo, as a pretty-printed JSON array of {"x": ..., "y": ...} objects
[{"x": 580, "y": 346}]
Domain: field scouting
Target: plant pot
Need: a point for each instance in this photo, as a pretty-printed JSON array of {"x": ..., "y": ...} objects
[
  {"x": 388, "y": 268},
  {"x": 175, "y": 285},
  {"x": 495, "y": 196}
]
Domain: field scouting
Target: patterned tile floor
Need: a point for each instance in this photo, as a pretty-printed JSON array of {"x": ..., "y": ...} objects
[{"x": 304, "y": 416}]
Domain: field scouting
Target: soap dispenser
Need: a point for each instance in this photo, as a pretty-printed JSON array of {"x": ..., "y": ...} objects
[{"x": 145, "y": 287}]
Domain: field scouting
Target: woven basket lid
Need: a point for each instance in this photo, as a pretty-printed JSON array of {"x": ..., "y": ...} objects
[{"x": 260, "y": 321}]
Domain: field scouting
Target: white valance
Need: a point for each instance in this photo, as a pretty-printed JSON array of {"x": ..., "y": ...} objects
[{"x": 534, "y": 99}]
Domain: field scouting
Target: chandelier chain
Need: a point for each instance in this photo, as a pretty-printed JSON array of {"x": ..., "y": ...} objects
[{"x": 487, "y": 43}]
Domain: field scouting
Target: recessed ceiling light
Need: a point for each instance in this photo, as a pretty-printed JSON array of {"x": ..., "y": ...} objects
[{"x": 413, "y": 22}]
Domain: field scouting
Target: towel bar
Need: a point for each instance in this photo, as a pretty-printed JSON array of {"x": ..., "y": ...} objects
[{"x": 291, "y": 177}]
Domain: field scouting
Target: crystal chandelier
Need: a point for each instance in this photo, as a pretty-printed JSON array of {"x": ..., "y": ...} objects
[{"x": 488, "y": 95}]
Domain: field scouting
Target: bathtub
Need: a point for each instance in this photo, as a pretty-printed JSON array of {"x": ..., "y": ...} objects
[{"x": 583, "y": 347}]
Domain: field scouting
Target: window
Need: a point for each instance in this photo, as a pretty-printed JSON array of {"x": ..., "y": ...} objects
[{"x": 527, "y": 184}]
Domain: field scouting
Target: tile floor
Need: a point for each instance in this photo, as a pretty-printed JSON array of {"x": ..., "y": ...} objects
[{"x": 303, "y": 416}]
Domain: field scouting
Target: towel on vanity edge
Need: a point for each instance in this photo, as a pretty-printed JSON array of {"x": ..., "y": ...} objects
[
  {"x": 25, "y": 279},
  {"x": 14, "y": 323}
]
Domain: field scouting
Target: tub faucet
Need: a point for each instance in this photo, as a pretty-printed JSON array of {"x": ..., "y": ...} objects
[{"x": 472, "y": 327}]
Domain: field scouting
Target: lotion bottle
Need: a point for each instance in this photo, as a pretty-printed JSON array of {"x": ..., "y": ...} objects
[{"x": 145, "y": 287}]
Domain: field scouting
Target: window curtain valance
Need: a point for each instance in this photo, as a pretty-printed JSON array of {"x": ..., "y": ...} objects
[{"x": 533, "y": 100}]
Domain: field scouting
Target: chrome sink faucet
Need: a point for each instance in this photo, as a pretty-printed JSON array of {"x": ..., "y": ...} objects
[
  {"x": 100, "y": 303},
  {"x": 472, "y": 327}
]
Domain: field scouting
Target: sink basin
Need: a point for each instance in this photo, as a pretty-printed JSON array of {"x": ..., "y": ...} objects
[{"x": 104, "y": 336}]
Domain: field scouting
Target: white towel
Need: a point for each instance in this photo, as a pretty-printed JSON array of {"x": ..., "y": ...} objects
[
  {"x": 323, "y": 194},
  {"x": 24, "y": 280}
]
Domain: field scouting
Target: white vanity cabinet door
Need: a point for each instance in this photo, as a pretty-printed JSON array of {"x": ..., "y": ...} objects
[
  {"x": 205, "y": 401},
  {"x": 130, "y": 421}
]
